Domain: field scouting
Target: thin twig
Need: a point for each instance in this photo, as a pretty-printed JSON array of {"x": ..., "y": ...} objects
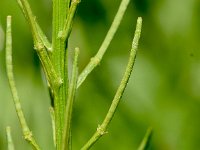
[
  {"x": 41, "y": 33},
  {"x": 70, "y": 101},
  {"x": 43, "y": 38},
  {"x": 25, "y": 129},
  {"x": 54, "y": 80},
  {"x": 97, "y": 58},
  {"x": 101, "y": 130},
  {"x": 52, "y": 114},
  {"x": 146, "y": 140},
  {"x": 9, "y": 139},
  {"x": 69, "y": 21}
]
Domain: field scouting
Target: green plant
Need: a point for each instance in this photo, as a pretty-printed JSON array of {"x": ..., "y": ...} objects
[{"x": 62, "y": 86}]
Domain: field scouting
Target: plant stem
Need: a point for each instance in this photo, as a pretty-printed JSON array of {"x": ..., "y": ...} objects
[
  {"x": 101, "y": 130},
  {"x": 52, "y": 114},
  {"x": 43, "y": 38},
  {"x": 68, "y": 23},
  {"x": 26, "y": 131},
  {"x": 104, "y": 46},
  {"x": 146, "y": 140},
  {"x": 9, "y": 139},
  {"x": 70, "y": 101},
  {"x": 52, "y": 77},
  {"x": 59, "y": 59},
  {"x": 41, "y": 33}
]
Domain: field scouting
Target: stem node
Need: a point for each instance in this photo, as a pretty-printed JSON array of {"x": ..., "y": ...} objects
[{"x": 101, "y": 130}]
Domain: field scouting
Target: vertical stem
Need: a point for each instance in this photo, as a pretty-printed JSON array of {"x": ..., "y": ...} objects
[
  {"x": 9, "y": 139},
  {"x": 9, "y": 68},
  {"x": 52, "y": 114},
  {"x": 70, "y": 101},
  {"x": 59, "y": 59}
]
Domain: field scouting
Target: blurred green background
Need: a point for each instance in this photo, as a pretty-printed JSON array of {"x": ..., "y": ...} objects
[{"x": 163, "y": 92}]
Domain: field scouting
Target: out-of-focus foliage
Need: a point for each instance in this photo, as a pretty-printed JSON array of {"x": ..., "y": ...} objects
[{"x": 164, "y": 90}]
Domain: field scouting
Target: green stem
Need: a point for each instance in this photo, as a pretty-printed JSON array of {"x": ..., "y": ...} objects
[
  {"x": 9, "y": 139},
  {"x": 52, "y": 114},
  {"x": 146, "y": 140},
  {"x": 69, "y": 21},
  {"x": 43, "y": 38},
  {"x": 52, "y": 77},
  {"x": 59, "y": 59},
  {"x": 68, "y": 3},
  {"x": 101, "y": 130},
  {"x": 26, "y": 131},
  {"x": 98, "y": 57},
  {"x": 70, "y": 101},
  {"x": 41, "y": 33}
]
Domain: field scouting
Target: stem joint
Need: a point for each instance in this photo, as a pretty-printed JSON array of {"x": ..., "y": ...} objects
[
  {"x": 95, "y": 60},
  {"x": 28, "y": 135},
  {"x": 101, "y": 130}
]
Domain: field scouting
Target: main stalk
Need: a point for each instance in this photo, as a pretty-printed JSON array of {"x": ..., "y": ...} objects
[{"x": 59, "y": 58}]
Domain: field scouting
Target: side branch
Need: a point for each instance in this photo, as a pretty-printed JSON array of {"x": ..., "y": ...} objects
[
  {"x": 40, "y": 32},
  {"x": 70, "y": 102},
  {"x": 9, "y": 139},
  {"x": 9, "y": 67},
  {"x": 101, "y": 130},
  {"x": 68, "y": 23},
  {"x": 104, "y": 46},
  {"x": 146, "y": 140},
  {"x": 39, "y": 43}
]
